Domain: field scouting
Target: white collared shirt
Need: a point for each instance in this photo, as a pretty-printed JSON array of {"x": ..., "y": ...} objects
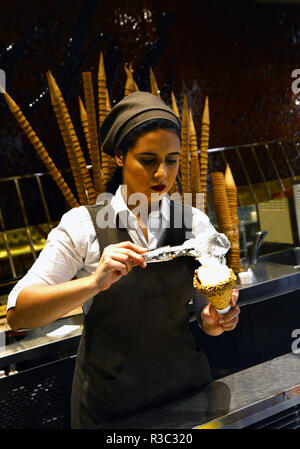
[{"x": 72, "y": 248}]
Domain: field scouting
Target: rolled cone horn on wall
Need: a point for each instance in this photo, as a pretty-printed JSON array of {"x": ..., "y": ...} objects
[
  {"x": 108, "y": 164},
  {"x": 232, "y": 198},
  {"x": 93, "y": 131},
  {"x": 226, "y": 212},
  {"x": 41, "y": 151},
  {"x": 205, "y": 128},
  {"x": 153, "y": 84},
  {"x": 194, "y": 163},
  {"x": 130, "y": 84},
  {"x": 75, "y": 155},
  {"x": 103, "y": 166},
  {"x": 184, "y": 153}
]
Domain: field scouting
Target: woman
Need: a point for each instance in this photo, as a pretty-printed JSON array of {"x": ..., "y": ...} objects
[{"x": 136, "y": 348}]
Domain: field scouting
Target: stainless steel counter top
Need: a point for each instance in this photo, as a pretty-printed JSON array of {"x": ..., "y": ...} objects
[
  {"x": 269, "y": 280},
  {"x": 39, "y": 342},
  {"x": 219, "y": 398}
]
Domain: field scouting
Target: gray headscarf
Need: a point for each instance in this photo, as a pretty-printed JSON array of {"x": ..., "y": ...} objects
[{"x": 130, "y": 112}]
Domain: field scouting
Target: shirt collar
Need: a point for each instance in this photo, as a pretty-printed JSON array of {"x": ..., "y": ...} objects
[{"x": 120, "y": 205}]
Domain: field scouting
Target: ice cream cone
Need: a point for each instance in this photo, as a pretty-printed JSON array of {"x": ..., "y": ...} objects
[{"x": 218, "y": 295}]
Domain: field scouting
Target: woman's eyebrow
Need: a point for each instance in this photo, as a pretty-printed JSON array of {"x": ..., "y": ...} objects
[{"x": 155, "y": 154}]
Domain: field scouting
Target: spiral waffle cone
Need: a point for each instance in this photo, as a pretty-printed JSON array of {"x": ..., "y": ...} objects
[
  {"x": 93, "y": 131},
  {"x": 204, "y": 142},
  {"x": 85, "y": 123},
  {"x": 73, "y": 155},
  {"x": 130, "y": 85},
  {"x": 233, "y": 257},
  {"x": 184, "y": 153},
  {"x": 231, "y": 192},
  {"x": 41, "y": 151},
  {"x": 111, "y": 160},
  {"x": 153, "y": 84},
  {"x": 194, "y": 163},
  {"x": 220, "y": 199},
  {"x": 174, "y": 105},
  {"x": 82, "y": 178},
  {"x": 219, "y": 295},
  {"x": 102, "y": 88}
]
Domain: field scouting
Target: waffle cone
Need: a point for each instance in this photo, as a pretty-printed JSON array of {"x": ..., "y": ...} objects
[{"x": 219, "y": 295}]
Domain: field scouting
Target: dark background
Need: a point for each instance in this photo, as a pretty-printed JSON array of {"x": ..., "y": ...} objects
[{"x": 240, "y": 54}]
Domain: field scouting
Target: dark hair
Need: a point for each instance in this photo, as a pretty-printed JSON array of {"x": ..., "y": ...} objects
[{"x": 130, "y": 140}]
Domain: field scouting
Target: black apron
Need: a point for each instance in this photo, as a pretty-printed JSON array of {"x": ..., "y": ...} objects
[{"x": 136, "y": 347}]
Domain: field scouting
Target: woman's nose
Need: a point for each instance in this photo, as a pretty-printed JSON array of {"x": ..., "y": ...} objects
[{"x": 161, "y": 171}]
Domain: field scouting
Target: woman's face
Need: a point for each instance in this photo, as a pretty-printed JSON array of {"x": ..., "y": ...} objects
[{"x": 152, "y": 164}]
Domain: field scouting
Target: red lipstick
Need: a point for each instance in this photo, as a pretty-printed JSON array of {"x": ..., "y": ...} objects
[{"x": 159, "y": 188}]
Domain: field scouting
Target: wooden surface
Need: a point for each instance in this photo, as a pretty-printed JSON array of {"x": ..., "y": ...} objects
[{"x": 5, "y": 327}]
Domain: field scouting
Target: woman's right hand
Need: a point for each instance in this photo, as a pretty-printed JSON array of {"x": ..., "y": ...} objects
[{"x": 116, "y": 261}]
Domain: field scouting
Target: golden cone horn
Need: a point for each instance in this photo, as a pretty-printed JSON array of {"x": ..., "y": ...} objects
[
  {"x": 108, "y": 105},
  {"x": 107, "y": 165},
  {"x": 93, "y": 131},
  {"x": 41, "y": 151},
  {"x": 153, "y": 84},
  {"x": 69, "y": 143},
  {"x": 224, "y": 219},
  {"x": 232, "y": 198},
  {"x": 83, "y": 182},
  {"x": 220, "y": 200},
  {"x": 85, "y": 123},
  {"x": 130, "y": 85},
  {"x": 194, "y": 166},
  {"x": 174, "y": 188},
  {"x": 102, "y": 101},
  {"x": 184, "y": 153},
  {"x": 174, "y": 105},
  {"x": 204, "y": 150}
]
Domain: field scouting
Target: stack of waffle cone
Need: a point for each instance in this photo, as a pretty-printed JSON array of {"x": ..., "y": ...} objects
[
  {"x": 93, "y": 131},
  {"x": 74, "y": 152},
  {"x": 130, "y": 85},
  {"x": 153, "y": 84},
  {"x": 231, "y": 191},
  {"x": 220, "y": 200},
  {"x": 41, "y": 151},
  {"x": 174, "y": 105},
  {"x": 81, "y": 175},
  {"x": 219, "y": 295},
  {"x": 108, "y": 164},
  {"x": 111, "y": 160},
  {"x": 204, "y": 150},
  {"x": 194, "y": 167},
  {"x": 174, "y": 188},
  {"x": 224, "y": 217},
  {"x": 85, "y": 124},
  {"x": 184, "y": 153}
]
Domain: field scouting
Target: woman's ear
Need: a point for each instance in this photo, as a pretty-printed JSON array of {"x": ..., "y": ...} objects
[{"x": 119, "y": 158}]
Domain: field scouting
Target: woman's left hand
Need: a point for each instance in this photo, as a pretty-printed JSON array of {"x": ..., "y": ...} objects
[{"x": 215, "y": 324}]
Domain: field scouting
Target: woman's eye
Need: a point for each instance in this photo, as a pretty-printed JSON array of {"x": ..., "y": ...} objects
[
  {"x": 147, "y": 161},
  {"x": 171, "y": 161}
]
